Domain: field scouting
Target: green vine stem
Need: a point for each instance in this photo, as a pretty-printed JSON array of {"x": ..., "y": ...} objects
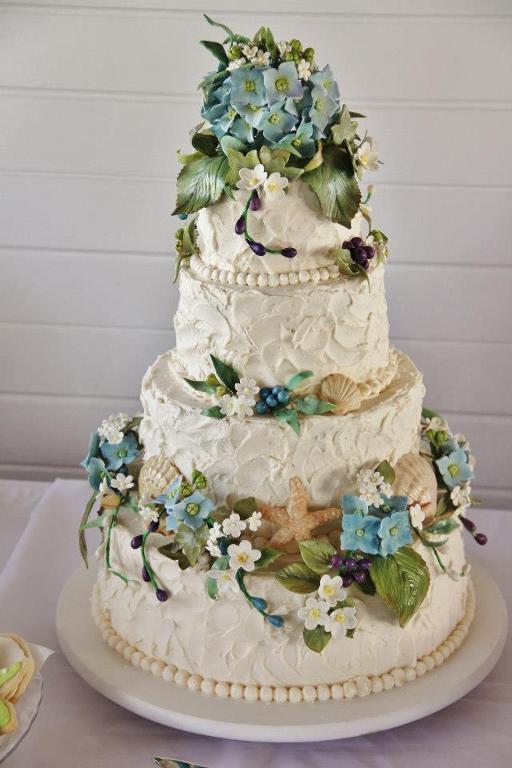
[
  {"x": 242, "y": 227},
  {"x": 82, "y": 542},
  {"x": 257, "y": 602},
  {"x": 112, "y": 524}
]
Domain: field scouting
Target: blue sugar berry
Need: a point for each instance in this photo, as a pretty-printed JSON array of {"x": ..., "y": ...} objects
[
  {"x": 271, "y": 401},
  {"x": 276, "y": 621},
  {"x": 265, "y": 392},
  {"x": 261, "y": 407},
  {"x": 259, "y": 603},
  {"x": 277, "y": 390},
  {"x": 283, "y": 396}
]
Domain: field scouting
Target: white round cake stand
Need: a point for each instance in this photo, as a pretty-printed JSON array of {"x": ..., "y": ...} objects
[{"x": 111, "y": 675}]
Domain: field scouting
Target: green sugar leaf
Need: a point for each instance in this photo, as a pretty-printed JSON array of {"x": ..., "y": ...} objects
[
  {"x": 206, "y": 143},
  {"x": 226, "y": 374},
  {"x": 201, "y": 386},
  {"x": 216, "y": 49},
  {"x": 268, "y": 556},
  {"x": 82, "y": 542},
  {"x": 311, "y": 405},
  {"x": 402, "y": 581},
  {"x": 316, "y": 639},
  {"x": 214, "y": 412},
  {"x": 288, "y": 416},
  {"x": 317, "y": 555},
  {"x": 297, "y": 380},
  {"x": 442, "y": 527},
  {"x": 245, "y": 507},
  {"x": 387, "y": 471},
  {"x": 335, "y": 185},
  {"x": 200, "y": 183},
  {"x": 191, "y": 543},
  {"x": 297, "y": 577}
]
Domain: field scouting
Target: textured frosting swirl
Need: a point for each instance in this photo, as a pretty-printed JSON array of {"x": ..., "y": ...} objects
[
  {"x": 271, "y": 333},
  {"x": 258, "y": 456},
  {"x": 294, "y": 221}
]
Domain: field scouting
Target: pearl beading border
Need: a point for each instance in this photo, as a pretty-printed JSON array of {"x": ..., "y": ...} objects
[
  {"x": 359, "y": 686},
  {"x": 262, "y": 279}
]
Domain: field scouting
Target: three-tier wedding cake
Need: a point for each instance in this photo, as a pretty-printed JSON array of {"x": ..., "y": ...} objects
[{"x": 284, "y": 522}]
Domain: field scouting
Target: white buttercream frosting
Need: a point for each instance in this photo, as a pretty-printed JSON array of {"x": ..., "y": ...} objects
[
  {"x": 271, "y": 333},
  {"x": 294, "y": 221},
  {"x": 258, "y": 456},
  {"x": 227, "y": 640}
]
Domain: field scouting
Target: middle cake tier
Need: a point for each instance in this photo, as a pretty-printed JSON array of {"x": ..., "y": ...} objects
[
  {"x": 337, "y": 325},
  {"x": 257, "y": 456}
]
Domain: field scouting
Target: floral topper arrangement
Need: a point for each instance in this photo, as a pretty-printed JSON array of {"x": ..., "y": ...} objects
[
  {"x": 421, "y": 500},
  {"x": 272, "y": 115}
]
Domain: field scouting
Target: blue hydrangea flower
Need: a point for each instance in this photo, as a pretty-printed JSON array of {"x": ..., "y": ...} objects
[
  {"x": 242, "y": 130},
  {"x": 123, "y": 453},
  {"x": 218, "y": 103},
  {"x": 247, "y": 87},
  {"x": 324, "y": 79},
  {"x": 393, "y": 504},
  {"x": 455, "y": 468},
  {"x": 394, "y": 532},
  {"x": 282, "y": 83},
  {"x": 301, "y": 143},
  {"x": 252, "y": 114},
  {"x": 94, "y": 450},
  {"x": 97, "y": 471},
  {"x": 450, "y": 445},
  {"x": 192, "y": 510},
  {"x": 360, "y": 532},
  {"x": 277, "y": 123},
  {"x": 323, "y": 108},
  {"x": 171, "y": 494},
  {"x": 354, "y": 505}
]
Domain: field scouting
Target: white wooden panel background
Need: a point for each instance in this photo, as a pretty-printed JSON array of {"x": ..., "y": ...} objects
[{"x": 93, "y": 106}]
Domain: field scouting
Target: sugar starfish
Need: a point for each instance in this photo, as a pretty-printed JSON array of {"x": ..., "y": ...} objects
[{"x": 295, "y": 520}]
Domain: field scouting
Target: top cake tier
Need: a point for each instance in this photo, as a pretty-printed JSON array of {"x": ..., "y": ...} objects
[{"x": 295, "y": 218}]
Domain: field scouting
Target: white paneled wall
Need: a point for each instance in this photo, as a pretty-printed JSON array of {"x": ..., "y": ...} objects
[{"x": 94, "y": 102}]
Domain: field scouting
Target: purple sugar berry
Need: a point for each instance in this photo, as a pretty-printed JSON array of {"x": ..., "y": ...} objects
[
  {"x": 347, "y": 579},
  {"x": 289, "y": 253},
  {"x": 258, "y": 248},
  {"x": 349, "y": 563},
  {"x": 468, "y": 524},
  {"x": 365, "y": 563},
  {"x": 161, "y": 595},
  {"x": 153, "y": 526},
  {"x": 145, "y": 574},
  {"x": 360, "y": 576},
  {"x": 136, "y": 542},
  {"x": 357, "y": 242},
  {"x": 255, "y": 203},
  {"x": 370, "y": 252},
  {"x": 348, "y": 245},
  {"x": 336, "y": 561},
  {"x": 365, "y": 264},
  {"x": 480, "y": 538},
  {"x": 359, "y": 255},
  {"x": 240, "y": 226}
]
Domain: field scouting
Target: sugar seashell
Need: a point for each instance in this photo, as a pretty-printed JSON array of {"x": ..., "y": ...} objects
[
  {"x": 415, "y": 478},
  {"x": 156, "y": 475},
  {"x": 339, "y": 389},
  {"x": 17, "y": 666}
]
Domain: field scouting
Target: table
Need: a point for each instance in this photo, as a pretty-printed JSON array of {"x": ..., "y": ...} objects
[{"x": 77, "y": 727}]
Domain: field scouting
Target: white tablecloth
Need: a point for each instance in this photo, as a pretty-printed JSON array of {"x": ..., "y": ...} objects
[{"x": 78, "y": 727}]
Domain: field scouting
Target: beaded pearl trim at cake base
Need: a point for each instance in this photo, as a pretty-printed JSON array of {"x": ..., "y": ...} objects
[{"x": 356, "y": 686}]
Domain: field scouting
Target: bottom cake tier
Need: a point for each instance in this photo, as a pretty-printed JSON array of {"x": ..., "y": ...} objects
[{"x": 227, "y": 648}]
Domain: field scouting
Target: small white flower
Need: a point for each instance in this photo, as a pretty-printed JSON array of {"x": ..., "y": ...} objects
[
  {"x": 247, "y": 387},
  {"x": 461, "y": 496},
  {"x": 314, "y": 613},
  {"x": 226, "y": 581},
  {"x": 213, "y": 548},
  {"x": 371, "y": 496},
  {"x": 236, "y": 63},
  {"x": 367, "y": 155},
  {"x": 331, "y": 590},
  {"x": 304, "y": 69},
  {"x": 122, "y": 483},
  {"x": 249, "y": 51},
  {"x": 254, "y": 521},
  {"x": 211, "y": 544},
  {"x": 368, "y": 477},
  {"x": 233, "y": 525},
  {"x": 386, "y": 489},
  {"x": 251, "y": 178},
  {"x": 228, "y": 405},
  {"x": 243, "y": 556},
  {"x": 111, "y": 429},
  {"x": 103, "y": 489},
  {"x": 148, "y": 514},
  {"x": 417, "y": 515},
  {"x": 341, "y": 620},
  {"x": 215, "y": 532},
  {"x": 284, "y": 47},
  {"x": 435, "y": 423},
  {"x": 244, "y": 406},
  {"x": 261, "y": 59},
  {"x": 275, "y": 185}
]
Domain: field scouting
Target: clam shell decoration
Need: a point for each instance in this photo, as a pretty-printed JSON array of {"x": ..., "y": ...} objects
[
  {"x": 415, "y": 478},
  {"x": 16, "y": 667},
  {"x": 342, "y": 391},
  {"x": 156, "y": 475}
]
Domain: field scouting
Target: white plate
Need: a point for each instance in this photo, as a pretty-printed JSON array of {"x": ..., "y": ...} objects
[{"x": 151, "y": 697}]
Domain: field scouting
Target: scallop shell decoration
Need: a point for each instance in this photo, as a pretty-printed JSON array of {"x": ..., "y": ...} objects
[
  {"x": 415, "y": 478},
  {"x": 342, "y": 391},
  {"x": 156, "y": 475}
]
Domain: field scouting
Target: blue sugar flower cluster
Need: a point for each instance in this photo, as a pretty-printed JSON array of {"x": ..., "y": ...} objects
[
  {"x": 375, "y": 531},
  {"x": 274, "y": 105}
]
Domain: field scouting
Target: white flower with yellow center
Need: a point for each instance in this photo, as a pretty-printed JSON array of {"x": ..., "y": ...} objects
[
  {"x": 331, "y": 590},
  {"x": 304, "y": 69},
  {"x": 243, "y": 556},
  {"x": 261, "y": 59},
  {"x": 244, "y": 406},
  {"x": 148, "y": 514},
  {"x": 254, "y": 521},
  {"x": 340, "y": 621},
  {"x": 461, "y": 497},
  {"x": 275, "y": 185},
  {"x": 247, "y": 388},
  {"x": 226, "y": 581},
  {"x": 314, "y": 613},
  {"x": 251, "y": 178},
  {"x": 250, "y": 51},
  {"x": 228, "y": 405},
  {"x": 367, "y": 155},
  {"x": 122, "y": 483},
  {"x": 417, "y": 515},
  {"x": 233, "y": 525},
  {"x": 236, "y": 63}
]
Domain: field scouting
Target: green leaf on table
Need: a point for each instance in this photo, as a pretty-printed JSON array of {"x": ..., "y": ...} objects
[
  {"x": 316, "y": 639},
  {"x": 268, "y": 556},
  {"x": 200, "y": 183},
  {"x": 311, "y": 405},
  {"x": 295, "y": 381},
  {"x": 201, "y": 386},
  {"x": 245, "y": 507},
  {"x": 297, "y": 577},
  {"x": 226, "y": 374},
  {"x": 402, "y": 581},
  {"x": 387, "y": 472},
  {"x": 317, "y": 555},
  {"x": 214, "y": 412},
  {"x": 442, "y": 527},
  {"x": 191, "y": 543},
  {"x": 335, "y": 185},
  {"x": 206, "y": 143},
  {"x": 82, "y": 542},
  {"x": 216, "y": 49},
  {"x": 288, "y": 416}
]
